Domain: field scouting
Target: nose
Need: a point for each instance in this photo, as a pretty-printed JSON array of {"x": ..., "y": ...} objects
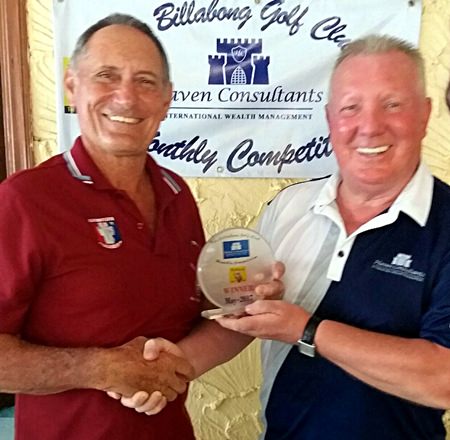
[
  {"x": 372, "y": 120},
  {"x": 125, "y": 93}
]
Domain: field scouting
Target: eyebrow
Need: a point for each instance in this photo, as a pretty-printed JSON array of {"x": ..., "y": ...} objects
[{"x": 139, "y": 72}]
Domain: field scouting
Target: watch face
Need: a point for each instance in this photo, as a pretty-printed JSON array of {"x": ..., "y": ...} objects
[{"x": 307, "y": 349}]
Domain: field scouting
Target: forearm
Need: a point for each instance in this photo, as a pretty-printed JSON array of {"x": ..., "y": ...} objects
[
  {"x": 209, "y": 345},
  {"x": 414, "y": 369},
  {"x": 34, "y": 369}
]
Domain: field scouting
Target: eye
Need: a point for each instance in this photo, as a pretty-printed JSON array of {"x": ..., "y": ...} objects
[
  {"x": 348, "y": 109},
  {"x": 146, "y": 82},
  {"x": 105, "y": 75},
  {"x": 392, "y": 105}
]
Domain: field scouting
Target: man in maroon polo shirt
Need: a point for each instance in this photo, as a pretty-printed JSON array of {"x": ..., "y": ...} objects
[{"x": 97, "y": 250}]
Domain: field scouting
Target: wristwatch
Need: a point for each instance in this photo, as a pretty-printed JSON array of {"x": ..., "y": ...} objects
[{"x": 306, "y": 344}]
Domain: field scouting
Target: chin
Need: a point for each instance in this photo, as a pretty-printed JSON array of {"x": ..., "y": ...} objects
[
  {"x": 119, "y": 144},
  {"x": 367, "y": 178}
]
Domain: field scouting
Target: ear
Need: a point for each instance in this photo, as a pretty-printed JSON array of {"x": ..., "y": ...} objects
[
  {"x": 327, "y": 113},
  {"x": 69, "y": 85},
  {"x": 167, "y": 99},
  {"x": 426, "y": 114}
]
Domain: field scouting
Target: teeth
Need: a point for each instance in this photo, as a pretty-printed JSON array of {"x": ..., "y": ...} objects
[
  {"x": 373, "y": 150},
  {"x": 123, "y": 119}
]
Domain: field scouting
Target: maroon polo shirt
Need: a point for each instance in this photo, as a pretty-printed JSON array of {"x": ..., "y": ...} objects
[{"x": 79, "y": 268}]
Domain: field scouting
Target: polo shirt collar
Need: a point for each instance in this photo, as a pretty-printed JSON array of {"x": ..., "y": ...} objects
[
  {"x": 415, "y": 199},
  {"x": 83, "y": 168}
]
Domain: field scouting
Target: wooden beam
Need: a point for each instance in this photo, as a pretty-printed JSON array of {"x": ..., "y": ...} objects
[{"x": 15, "y": 85}]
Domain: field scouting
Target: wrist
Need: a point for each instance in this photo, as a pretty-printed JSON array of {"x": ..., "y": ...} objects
[
  {"x": 189, "y": 353},
  {"x": 98, "y": 367},
  {"x": 306, "y": 343}
]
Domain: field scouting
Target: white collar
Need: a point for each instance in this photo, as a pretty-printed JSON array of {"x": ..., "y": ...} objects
[{"x": 414, "y": 200}]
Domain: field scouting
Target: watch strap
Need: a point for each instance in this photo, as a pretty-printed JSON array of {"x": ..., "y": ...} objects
[
  {"x": 310, "y": 329},
  {"x": 306, "y": 343}
]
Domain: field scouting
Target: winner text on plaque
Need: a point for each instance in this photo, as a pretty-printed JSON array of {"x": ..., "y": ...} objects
[{"x": 231, "y": 264}]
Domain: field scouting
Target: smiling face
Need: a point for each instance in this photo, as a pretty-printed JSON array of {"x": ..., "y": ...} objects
[
  {"x": 377, "y": 115},
  {"x": 120, "y": 91}
]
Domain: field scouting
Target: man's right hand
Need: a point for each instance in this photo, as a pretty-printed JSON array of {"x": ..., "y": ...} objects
[
  {"x": 129, "y": 372},
  {"x": 143, "y": 401}
]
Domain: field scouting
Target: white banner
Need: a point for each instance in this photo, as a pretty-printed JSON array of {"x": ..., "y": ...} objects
[{"x": 250, "y": 77}]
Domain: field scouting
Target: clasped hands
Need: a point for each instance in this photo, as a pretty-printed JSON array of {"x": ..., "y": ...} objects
[{"x": 153, "y": 402}]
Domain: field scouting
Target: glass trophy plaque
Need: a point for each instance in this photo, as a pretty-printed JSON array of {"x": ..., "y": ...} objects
[{"x": 231, "y": 264}]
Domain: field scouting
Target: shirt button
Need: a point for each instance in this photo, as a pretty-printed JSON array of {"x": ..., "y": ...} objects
[
  {"x": 140, "y": 225},
  {"x": 341, "y": 254}
]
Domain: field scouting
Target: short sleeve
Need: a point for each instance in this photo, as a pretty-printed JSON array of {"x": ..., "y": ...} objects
[
  {"x": 436, "y": 319},
  {"x": 20, "y": 260}
]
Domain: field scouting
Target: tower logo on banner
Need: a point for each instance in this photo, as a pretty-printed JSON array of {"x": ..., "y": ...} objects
[{"x": 240, "y": 63}]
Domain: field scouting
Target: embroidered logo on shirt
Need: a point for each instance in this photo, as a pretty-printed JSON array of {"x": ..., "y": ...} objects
[
  {"x": 400, "y": 265},
  {"x": 403, "y": 260},
  {"x": 107, "y": 232}
]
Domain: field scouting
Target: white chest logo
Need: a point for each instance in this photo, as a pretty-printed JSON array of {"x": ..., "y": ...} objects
[
  {"x": 107, "y": 232},
  {"x": 403, "y": 260}
]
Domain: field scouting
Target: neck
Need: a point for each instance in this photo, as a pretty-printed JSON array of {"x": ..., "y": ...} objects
[
  {"x": 128, "y": 173},
  {"x": 123, "y": 172},
  {"x": 358, "y": 207}
]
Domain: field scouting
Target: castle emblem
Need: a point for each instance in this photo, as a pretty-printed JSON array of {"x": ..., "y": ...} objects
[{"x": 239, "y": 64}]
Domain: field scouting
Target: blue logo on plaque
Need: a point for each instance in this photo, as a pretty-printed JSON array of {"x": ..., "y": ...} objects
[
  {"x": 236, "y": 249},
  {"x": 239, "y": 65}
]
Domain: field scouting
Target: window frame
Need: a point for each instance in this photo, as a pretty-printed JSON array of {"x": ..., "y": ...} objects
[{"x": 15, "y": 85}]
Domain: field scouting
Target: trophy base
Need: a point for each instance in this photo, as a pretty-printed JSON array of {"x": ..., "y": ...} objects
[{"x": 224, "y": 312}]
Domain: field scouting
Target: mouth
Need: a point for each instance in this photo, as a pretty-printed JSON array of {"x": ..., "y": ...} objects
[
  {"x": 372, "y": 151},
  {"x": 124, "y": 119}
]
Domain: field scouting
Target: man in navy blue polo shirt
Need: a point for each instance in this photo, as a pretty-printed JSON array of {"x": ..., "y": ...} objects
[{"x": 359, "y": 348}]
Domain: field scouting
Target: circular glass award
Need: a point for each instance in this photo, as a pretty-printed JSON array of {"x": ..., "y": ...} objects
[{"x": 231, "y": 264}]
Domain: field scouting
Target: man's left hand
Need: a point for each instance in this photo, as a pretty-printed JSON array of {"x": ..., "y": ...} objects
[
  {"x": 273, "y": 289},
  {"x": 273, "y": 319}
]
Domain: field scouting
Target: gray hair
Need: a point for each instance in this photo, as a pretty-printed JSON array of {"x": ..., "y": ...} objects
[
  {"x": 380, "y": 44},
  {"x": 125, "y": 20}
]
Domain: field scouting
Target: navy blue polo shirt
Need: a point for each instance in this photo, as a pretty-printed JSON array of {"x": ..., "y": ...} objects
[{"x": 396, "y": 281}]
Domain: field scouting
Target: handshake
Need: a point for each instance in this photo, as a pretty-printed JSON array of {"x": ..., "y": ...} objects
[
  {"x": 166, "y": 375},
  {"x": 145, "y": 374}
]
